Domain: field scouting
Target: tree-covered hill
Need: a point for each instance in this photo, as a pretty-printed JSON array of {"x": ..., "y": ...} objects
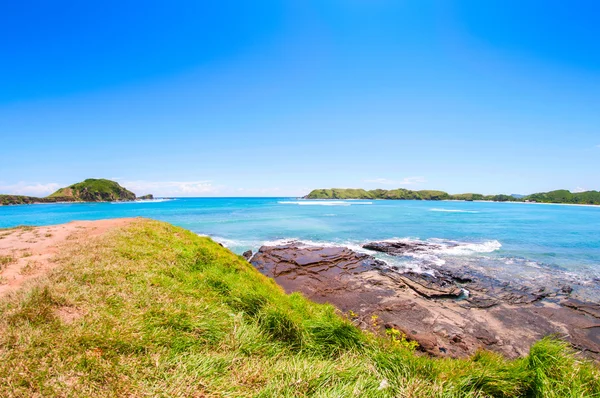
[{"x": 559, "y": 196}]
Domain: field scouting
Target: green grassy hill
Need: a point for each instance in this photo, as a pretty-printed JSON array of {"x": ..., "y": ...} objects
[
  {"x": 564, "y": 196},
  {"x": 337, "y": 193},
  {"x": 95, "y": 190},
  {"x": 90, "y": 190},
  {"x": 155, "y": 310},
  {"x": 395, "y": 194}
]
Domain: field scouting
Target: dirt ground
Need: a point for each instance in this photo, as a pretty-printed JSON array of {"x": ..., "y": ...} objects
[{"x": 27, "y": 252}]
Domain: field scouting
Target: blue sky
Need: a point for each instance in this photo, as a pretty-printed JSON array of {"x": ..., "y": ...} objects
[{"x": 274, "y": 98}]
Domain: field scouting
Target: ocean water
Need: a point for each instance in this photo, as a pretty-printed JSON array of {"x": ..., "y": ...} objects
[{"x": 511, "y": 240}]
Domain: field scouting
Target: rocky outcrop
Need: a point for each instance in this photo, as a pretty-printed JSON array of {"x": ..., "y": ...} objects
[
  {"x": 449, "y": 314},
  {"x": 484, "y": 290},
  {"x": 146, "y": 197},
  {"x": 6, "y": 200},
  {"x": 275, "y": 261},
  {"x": 400, "y": 248}
]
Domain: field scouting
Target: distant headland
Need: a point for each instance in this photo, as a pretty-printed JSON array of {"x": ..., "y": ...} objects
[
  {"x": 558, "y": 196},
  {"x": 90, "y": 190}
]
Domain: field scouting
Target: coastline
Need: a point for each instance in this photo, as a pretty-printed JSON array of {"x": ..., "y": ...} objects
[
  {"x": 450, "y": 200},
  {"x": 158, "y": 200},
  {"x": 147, "y": 308},
  {"x": 453, "y": 312},
  {"x": 537, "y": 203},
  {"x": 511, "y": 251}
]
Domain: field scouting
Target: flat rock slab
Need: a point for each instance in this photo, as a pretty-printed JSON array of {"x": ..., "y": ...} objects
[{"x": 447, "y": 314}]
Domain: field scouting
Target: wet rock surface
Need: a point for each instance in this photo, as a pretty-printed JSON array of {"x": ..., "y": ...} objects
[
  {"x": 481, "y": 290},
  {"x": 400, "y": 247},
  {"x": 451, "y": 313},
  {"x": 247, "y": 254}
]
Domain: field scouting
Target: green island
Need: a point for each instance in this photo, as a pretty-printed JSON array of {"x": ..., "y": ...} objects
[
  {"x": 90, "y": 190},
  {"x": 150, "y": 309},
  {"x": 558, "y": 196}
]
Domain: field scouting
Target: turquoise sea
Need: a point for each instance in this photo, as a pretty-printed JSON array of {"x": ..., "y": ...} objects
[{"x": 511, "y": 240}]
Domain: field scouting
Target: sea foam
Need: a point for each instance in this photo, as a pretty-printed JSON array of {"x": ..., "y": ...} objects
[
  {"x": 142, "y": 201},
  {"x": 323, "y": 203},
  {"x": 453, "y": 210}
]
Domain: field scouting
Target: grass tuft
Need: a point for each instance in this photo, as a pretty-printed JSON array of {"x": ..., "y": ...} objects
[
  {"x": 281, "y": 325},
  {"x": 36, "y": 308},
  {"x": 5, "y": 261},
  {"x": 334, "y": 335}
]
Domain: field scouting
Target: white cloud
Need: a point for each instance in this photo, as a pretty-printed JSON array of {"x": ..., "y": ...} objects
[
  {"x": 203, "y": 188},
  {"x": 172, "y": 188},
  {"x": 29, "y": 188},
  {"x": 404, "y": 181},
  {"x": 579, "y": 189},
  {"x": 162, "y": 189}
]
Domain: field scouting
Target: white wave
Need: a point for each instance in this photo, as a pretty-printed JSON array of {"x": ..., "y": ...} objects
[
  {"x": 418, "y": 265},
  {"x": 521, "y": 262},
  {"x": 227, "y": 242},
  {"x": 438, "y": 247},
  {"x": 437, "y": 254},
  {"x": 322, "y": 203},
  {"x": 427, "y": 258},
  {"x": 233, "y": 243},
  {"x": 142, "y": 201},
  {"x": 354, "y": 246},
  {"x": 454, "y": 210},
  {"x": 424, "y": 261},
  {"x": 465, "y": 249},
  {"x": 415, "y": 266},
  {"x": 154, "y": 200},
  {"x": 300, "y": 242}
]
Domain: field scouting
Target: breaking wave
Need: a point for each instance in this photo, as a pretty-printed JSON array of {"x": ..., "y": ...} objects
[
  {"x": 454, "y": 210},
  {"x": 432, "y": 252},
  {"x": 142, "y": 201},
  {"x": 323, "y": 203}
]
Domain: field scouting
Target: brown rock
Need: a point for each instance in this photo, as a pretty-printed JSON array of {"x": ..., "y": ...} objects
[{"x": 433, "y": 310}]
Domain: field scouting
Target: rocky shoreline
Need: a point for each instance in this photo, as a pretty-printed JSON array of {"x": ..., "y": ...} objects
[{"x": 451, "y": 312}]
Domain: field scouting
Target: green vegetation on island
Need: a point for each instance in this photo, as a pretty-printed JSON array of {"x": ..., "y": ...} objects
[
  {"x": 95, "y": 190},
  {"x": 27, "y": 200},
  {"x": 559, "y": 196},
  {"x": 564, "y": 196},
  {"x": 154, "y": 310},
  {"x": 90, "y": 190}
]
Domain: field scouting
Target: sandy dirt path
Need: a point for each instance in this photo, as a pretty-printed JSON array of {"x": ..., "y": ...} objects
[{"x": 27, "y": 253}]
